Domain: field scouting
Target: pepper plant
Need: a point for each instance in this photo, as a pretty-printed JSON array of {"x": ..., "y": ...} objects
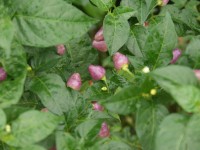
[{"x": 99, "y": 75}]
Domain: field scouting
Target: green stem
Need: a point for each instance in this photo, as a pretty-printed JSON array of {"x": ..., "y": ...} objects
[
  {"x": 106, "y": 83},
  {"x": 128, "y": 71}
]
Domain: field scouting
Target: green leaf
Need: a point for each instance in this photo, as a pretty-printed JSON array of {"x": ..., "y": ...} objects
[
  {"x": 137, "y": 40},
  {"x": 171, "y": 133},
  {"x": 2, "y": 119},
  {"x": 6, "y": 36},
  {"x": 193, "y": 50},
  {"x": 65, "y": 141},
  {"x": 171, "y": 76},
  {"x": 160, "y": 43},
  {"x": 48, "y": 22},
  {"x": 15, "y": 65},
  {"x": 32, "y": 147},
  {"x": 114, "y": 145},
  {"x": 177, "y": 132},
  {"x": 125, "y": 12},
  {"x": 30, "y": 127},
  {"x": 53, "y": 93},
  {"x": 144, "y": 8},
  {"x": 88, "y": 128},
  {"x": 14, "y": 111},
  {"x": 179, "y": 4},
  {"x": 86, "y": 56},
  {"x": 136, "y": 62},
  {"x": 116, "y": 31},
  {"x": 183, "y": 16},
  {"x": 180, "y": 82},
  {"x": 188, "y": 97},
  {"x": 104, "y": 115},
  {"x": 147, "y": 121},
  {"x": 69, "y": 63},
  {"x": 124, "y": 101},
  {"x": 44, "y": 59},
  {"x": 127, "y": 3},
  {"x": 103, "y": 4},
  {"x": 193, "y": 132}
]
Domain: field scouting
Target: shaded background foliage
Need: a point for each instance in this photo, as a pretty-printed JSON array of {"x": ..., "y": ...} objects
[{"x": 146, "y": 32}]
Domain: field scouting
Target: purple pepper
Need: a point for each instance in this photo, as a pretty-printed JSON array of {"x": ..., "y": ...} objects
[
  {"x": 120, "y": 60},
  {"x": 104, "y": 131},
  {"x": 100, "y": 45},
  {"x": 164, "y": 2},
  {"x": 3, "y": 74},
  {"x": 99, "y": 35},
  {"x": 99, "y": 42},
  {"x": 60, "y": 49},
  {"x": 197, "y": 74},
  {"x": 97, "y": 106},
  {"x": 74, "y": 81},
  {"x": 176, "y": 54},
  {"x": 96, "y": 72}
]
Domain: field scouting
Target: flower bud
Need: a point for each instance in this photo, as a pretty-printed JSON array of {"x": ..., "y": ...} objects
[
  {"x": 104, "y": 88},
  {"x": 60, "y": 49},
  {"x": 153, "y": 92},
  {"x": 146, "y": 69},
  {"x": 97, "y": 72},
  {"x": 99, "y": 35},
  {"x": 74, "y": 81},
  {"x": 29, "y": 68},
  {"x": 100, "y": 45},
  {"x": 104, "y": 131},
  {"x": 3, "y": 74},
  {"x": 120, "y": 60},
  {"x": 97, "y": 106},
  {"x": 176, "y": 54},
  {"x": 8, "y": 128},
  {"x": 197, "y": 74}
]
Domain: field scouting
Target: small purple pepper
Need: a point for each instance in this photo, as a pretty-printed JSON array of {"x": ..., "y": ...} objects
[
  {"x": 100, "y": 45},
  {"x": 104, "y": 131},
  {"x": 164, "y": 2},
  {"x": 97, "y": 72},
  {"x": 197, "y": 74},
  {"x": 3, "y": 74},
  {"x": 99, "y": 35},
  {"x": 60, "y": 49},
  {"x": 99, "y": 42},
  {"x": 74, "y": 81},
  {"x": 120, "y": 60},
  {"x": 176, "y": 54},
  {"x": 97, "y": 106}
]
